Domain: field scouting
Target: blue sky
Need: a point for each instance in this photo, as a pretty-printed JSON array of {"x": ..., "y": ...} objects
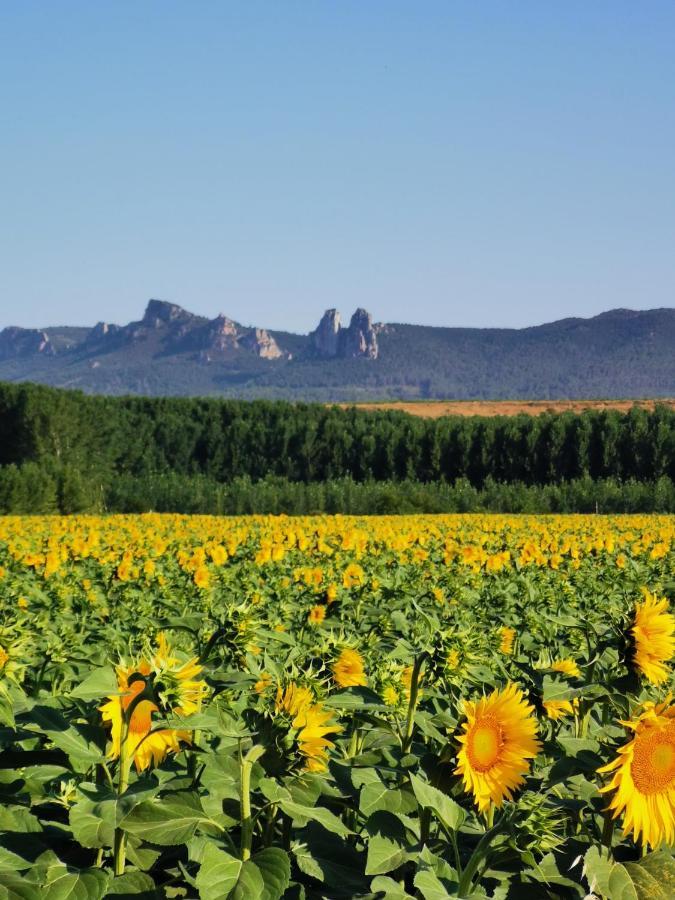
[{"x": 447, "y": 163}]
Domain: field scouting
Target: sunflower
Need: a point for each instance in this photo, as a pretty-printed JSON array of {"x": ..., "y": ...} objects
[
  {"x": 348, "y": 669},
  {"x": 507, "y": 636},
  {"x": 643, "y": 782},
  {"x": 175, "y": 686},
  {"x": 558, "y": 709},
  {"x": 498, "y": 740},
  {"x": 311, "y": 722},
  {"x": 316, "y": 614},
  {"x": 566, "y": 667},
  {"x": 653, "y": 633}
]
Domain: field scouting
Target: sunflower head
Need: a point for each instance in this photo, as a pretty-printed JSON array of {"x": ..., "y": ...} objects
[
  {"x": 348, "y": 669},
  {"x": 558, "y": 709},
  {"x": 316, "y": 614},
  {"x": 308, "y": 724},
  {"x": 169, "y": 685},
  {"x": 498, "y": 741},
  {"x": 566, "y": 667},
  {"x": 653, "y": 635},
  {"x": 507, "y": 636},
  {"x": 643, "y": 776}
]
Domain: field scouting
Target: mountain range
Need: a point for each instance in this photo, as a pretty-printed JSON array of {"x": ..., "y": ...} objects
[{"x": 169, "y": 351}]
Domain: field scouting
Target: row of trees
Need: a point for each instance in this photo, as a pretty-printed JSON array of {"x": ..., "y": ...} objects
[
  {"x": 227, "y": 439},
  {"x": 32, "y": 488}
]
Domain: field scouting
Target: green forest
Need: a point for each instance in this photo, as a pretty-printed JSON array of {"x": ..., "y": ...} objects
[{"x": 63, "y": 451}]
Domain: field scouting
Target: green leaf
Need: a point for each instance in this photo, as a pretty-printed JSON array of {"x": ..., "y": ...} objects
[
  {"x": 315, "y": 814},
  {"x": 133, "y": 884},
  {"x": 556, "y": 689},
  {"x": 450, "y": 813},
  {"x": 218, "y": 874},
  {"x": 387, "y": 846},
  {"x": 377, "y": 796},
  {"x": 171, "y": 820},
  {"x": 355, "y": 698},
  {"x": 611, "y": 880},
  {"x": 72, "y": 739},
  {"x": 391, "y": 889},
  {"x": 98, "y": 811},
  {"x": 430, "y": 886},
  {"x": 99, "y": 683},
  {"x": 661, "y": 866},
  {"x": 646, "y": 886},
  {"x": 64, "y": 883},
  {"x": 275, "y": 867}
]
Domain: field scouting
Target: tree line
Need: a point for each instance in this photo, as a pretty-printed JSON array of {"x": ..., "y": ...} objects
[{"x": 82, "y": 444}]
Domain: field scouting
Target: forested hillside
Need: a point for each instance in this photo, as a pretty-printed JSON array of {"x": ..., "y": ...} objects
[
  {"x": 172, "y": 352},
  {"x": 79, "y": 449}
]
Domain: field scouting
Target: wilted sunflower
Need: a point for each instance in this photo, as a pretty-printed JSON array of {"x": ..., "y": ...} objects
[
  {"x": 311, "y": 722},
  {"x": 178, "y": 690},
  {"x": 498, "y": 740},
  {"x": 644, "y": 776},
  {"x": 653, "y": 633},
  {"x": 348, "y": 669}
]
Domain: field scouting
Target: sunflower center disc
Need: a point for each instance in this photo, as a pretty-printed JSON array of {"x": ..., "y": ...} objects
[
  {"x": 484, "y": 744},
  {"x": 653, "y": 766}
]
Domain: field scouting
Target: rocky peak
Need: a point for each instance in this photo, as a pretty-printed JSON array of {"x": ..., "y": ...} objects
[
  {"x": 161, "y": 311},
  {"x": 102, "y": 330},
  {"x": 16, "y": 341},
  {"x": 360, "y": 338},
  {"x": 330, "y": 339},
  {"x": 261, "y": 342},
  {"x": 222, "y": 334},
  {"x": 325, "y": 339}
]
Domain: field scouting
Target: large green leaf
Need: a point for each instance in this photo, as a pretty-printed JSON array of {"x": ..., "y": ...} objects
[
  {"x": 448, "y": 811},
  {"x": 218, "y": 874},
  {"x": 387, "y": 845},
  {"x": 98, "y": 683},
  {"x": 64, "y": 883},
  {"x": 75, "y": 740},
  {"x": 605, "y": 877},
  {"x": 171, "y": 820}
]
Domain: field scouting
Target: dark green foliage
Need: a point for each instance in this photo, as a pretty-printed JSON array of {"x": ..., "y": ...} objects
[{"x": 62, "y": 450}]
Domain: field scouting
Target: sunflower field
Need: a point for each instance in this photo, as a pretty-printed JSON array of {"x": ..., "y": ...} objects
[{"x": 330, "y": 707}]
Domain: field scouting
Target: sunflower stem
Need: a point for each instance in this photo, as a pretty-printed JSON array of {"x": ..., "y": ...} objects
[
  {"x": 126, "y": 758},
  {"x": 478, "y": 855},
  {"x": 246, "y": 765},
  {"x": 120, "y": 842}
]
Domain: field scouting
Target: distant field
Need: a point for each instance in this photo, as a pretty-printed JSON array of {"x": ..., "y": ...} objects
[{"x": 434, "y": 409}]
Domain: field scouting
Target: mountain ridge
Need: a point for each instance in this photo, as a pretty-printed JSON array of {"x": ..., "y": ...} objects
[{"x": 619, "y": 353}]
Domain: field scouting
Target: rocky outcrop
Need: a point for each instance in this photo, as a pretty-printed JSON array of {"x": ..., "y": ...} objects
[
  {"x": 24, "y": 342},
  {"x": 101, "y": 331},
  {"x": 221, "y": 334},
  {"x": 260, "y": 342},
  {"x": 159, "y": 312},
  {"x": 358, "y": 340},
  {"x": 326, "y": 337}
]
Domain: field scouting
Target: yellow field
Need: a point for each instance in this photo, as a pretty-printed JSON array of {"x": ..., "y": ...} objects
[{"x": 388, "y": 707}]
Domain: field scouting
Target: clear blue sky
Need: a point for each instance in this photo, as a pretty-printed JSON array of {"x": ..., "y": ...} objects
[{"x": 449, "y": 163}]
